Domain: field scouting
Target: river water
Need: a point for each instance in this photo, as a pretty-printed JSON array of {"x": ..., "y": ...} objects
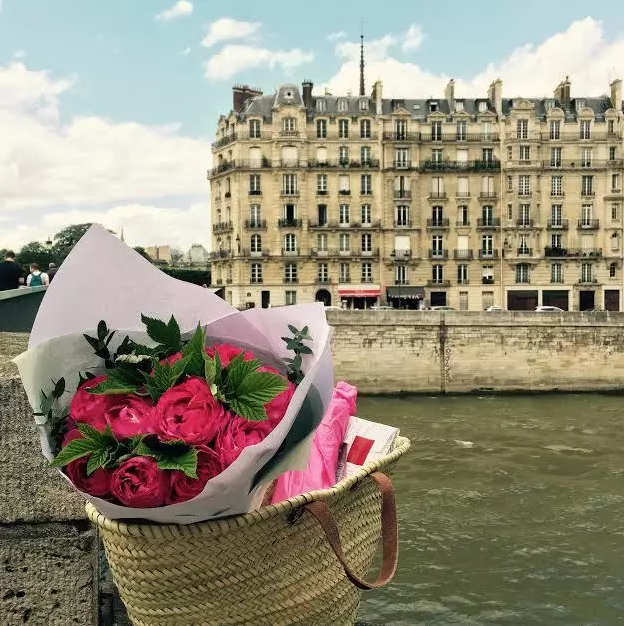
[{"x": 511, "y": 511}]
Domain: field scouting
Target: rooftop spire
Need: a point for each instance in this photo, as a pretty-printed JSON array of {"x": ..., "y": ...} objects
[{"x": 362, "y": 84}]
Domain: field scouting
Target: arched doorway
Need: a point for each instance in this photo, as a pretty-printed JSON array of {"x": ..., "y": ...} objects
[{"x": 322, "y": 295}]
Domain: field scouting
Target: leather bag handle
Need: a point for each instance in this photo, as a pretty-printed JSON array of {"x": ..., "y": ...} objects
[{"x": 389, "y": 534}]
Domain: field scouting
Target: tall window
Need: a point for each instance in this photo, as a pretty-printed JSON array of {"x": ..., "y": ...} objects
[
  {"x": 487, "y": 276},
  {"x": 255, "y": 215},
  {"x": 522, "y": 129},
  {"x": 291, "y": 298},
  {"x": 365, "y": 129},
  {"x": 342, "y": 105},
  {"x": 615, "y": 242},
  {"x": 586, "y": 157},
  {"x": 437, "y": 187},
  {"x": 321, "y": 242},
  {"x": 289, "y": 184},
  {"x": 321, "y": 105},
  {"x": 556, "y": 241},
  {"x": 400, "y": 129},
  {"x": 290, "y": 273},
  {"x": 344, "y": 184},
  {"x": 321, "y": 129},
  {"x": 487, "y": 215},
  {"x": 343, "y": 215},
  {"x": 400, "y": 275},
  {"x": 524, "y": 185},
  {"x": 615, "y": 212},
  {"x": 255, "y": 129},
  {"x": 525, "y": 215},
  {"x": 462, "y": 216},
  {"x": 587, "y": 185},
  {"x": 556, "y": 273},
  {"x": 612, "y": 153},
  {"x": 254, "y": 184},
  {"x": 289, "y": 125},
  {"x": 462, "y": 274},
  {"x": 487, "y": 245},
  {"x": 343, "y": 155},
  {"x": 323, "y": 273},
  {"x": 290, "y": 243},
  {"x": 437, "y": 155},
  {"x": 586, "y": 273},
  {"x": 366, "y": 185},
  {"x": 367, "y": 272},
  {"x": 611, "y": 127},
  {"x": 586, "y": 129},
  {"x": 436, "y": 131},
  {"x": 555, "y": 129},
  {"x": 256, "y": 273},
  {"x": 525, "y": 153},
  {"x": 555, "y": 157},
  {"x": 586, "y": 215},
  {"x": 402, "y": 215},
  {"x": 343, "y": 129},
  {"x": 401, "y": 157},
  {"x": 344, "y": 273},
  {"x": 556, "y": 211},
  {"x": 462, "y": 130},
  {"x": 556, "y": 185},
  {"x": 366, "y": 215},
  {"x": 437, "y": 274},
  {"x": 437, "y": 246},
  {"x": 367, "y": 242},
  {"x": 321, "y": 210},
  {"x": 615, "y": 182},
  {"x": 365, "y": 155},
  {"x": 256, "y": 244},
  {"x": 345, "y": 242},
  {"x": 487, "y": 155},
  {"x": 321, "y": 184},
  {"x": 522, "y": 273},
  {"x": 524, "y": 244},
  {"x": 612, "y": 270},
  {"x": 363, "y": 104}
]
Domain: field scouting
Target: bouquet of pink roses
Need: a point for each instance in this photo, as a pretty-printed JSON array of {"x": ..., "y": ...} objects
[{"x": 173, "y": 421}]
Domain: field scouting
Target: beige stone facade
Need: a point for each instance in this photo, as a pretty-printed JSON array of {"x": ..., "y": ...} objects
[{"x": 468, "y": 203}]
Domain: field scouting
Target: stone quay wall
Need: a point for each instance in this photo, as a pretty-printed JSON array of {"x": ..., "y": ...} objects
[{"x": 463, "y": 352}]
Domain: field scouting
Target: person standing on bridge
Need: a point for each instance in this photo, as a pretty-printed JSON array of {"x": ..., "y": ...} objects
[
  {"x": 11, "y": 272},
  {"x": 36, "y": 278}
]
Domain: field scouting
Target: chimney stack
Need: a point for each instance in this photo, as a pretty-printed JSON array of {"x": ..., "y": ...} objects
[
  {"x": 306, "y": 88},
  {"x": 495, "y": 95},
  {"x": 377, "y": 96},
  {"x": 616, "y": 95},
  {"x": 449, "y": 95},
  {"x": 562, "y": 93},
  {"x": 240, "y": 95}
]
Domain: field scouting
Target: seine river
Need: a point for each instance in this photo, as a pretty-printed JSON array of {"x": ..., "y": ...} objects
[{"x": 511, "y": 511}]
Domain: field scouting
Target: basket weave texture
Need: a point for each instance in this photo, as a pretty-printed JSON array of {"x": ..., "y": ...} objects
[{"x": 268, "y": 567}]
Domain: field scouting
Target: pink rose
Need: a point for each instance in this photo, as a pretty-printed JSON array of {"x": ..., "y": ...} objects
[
  {"x": 139, "y": 483},
  {"x": 276, "y": 409},
  {"x": 98, "y": 484},
  {"x": 129, "y": 416},
  {"x": 183, "y": 488},
  {"x": 227, "y": 352},
  {"x": 89, "y": 407},
  {"x": 237, "y": 434},
  {"x": 189, "y": 412}
]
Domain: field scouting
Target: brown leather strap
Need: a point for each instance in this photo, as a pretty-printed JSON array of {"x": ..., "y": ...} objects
[{"x": 389, "y": 534}]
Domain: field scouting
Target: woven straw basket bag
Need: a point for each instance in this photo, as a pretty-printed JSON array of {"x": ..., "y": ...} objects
[{"x": 301, "y": 561}]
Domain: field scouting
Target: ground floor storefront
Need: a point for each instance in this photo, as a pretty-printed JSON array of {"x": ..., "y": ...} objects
[
  {"x": 406, "y": 297},
  {"x": 577, "y": 298}
]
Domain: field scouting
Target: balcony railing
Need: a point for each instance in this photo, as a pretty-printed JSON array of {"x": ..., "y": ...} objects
[
  {"x": 403, "y": 223},
  {"x": 402, "y": 194},
  {"x": 587, "y": 280},
  {"x": 525, "y": 223},
  {"x": 224, "y": 141},
  {"x": 592, "y": 224},
  {"x": 221, "y": 254},
  {"x": 402, "y": 165},
  {"x": 462, "y": 195},
  {"x": 291, "y": 252},
  {"x": 576, "y": 135},
  {"x": 289, "y": 223},
  {"x": 255, "y": 281},
  {"x": 467, "y": 166},
  {"x": 492, "y": 222},
  {"x": 437, "y": 195},
  {"x": 488, "y": 195},
  {"x": 488, "y": 254},
  {"x": 558, "y": 224},
  {"x": 255, "y": 192},
  {"x": 435, "y": 282},
  {"x": 321, "y": 224},
  {"x": 401, "y": 254},
  {"x": 563, "y": 253},
  {"x": 366, "y": 164},
  {"x": 588, "y": 192},
  {"x": 401, "y": 136},
  {"x": 578, "y": 164},
  {"x": 256, "y": 224},
  {"x": 323, "y": 280},
  {"x": 487, "y": 280},
  {"x": 525, "y": 251},
  {"x": 462, "y": 223},
  {"x": 344, "y": 192},
  {"x": 322, "y": 192},
  {"x": 455, "y": 137},
  {"x": 463, "y": 255},
  {"x": 289, "y": 133},
  {"x": 263, "y": 252},
  {"x": 438, "y": 222},
  {"x": 442, "y": 255},
  {"x": 289, "y": 192},
  {"x": 344, "y": 279},
  {"x": 222, "y": 227}
]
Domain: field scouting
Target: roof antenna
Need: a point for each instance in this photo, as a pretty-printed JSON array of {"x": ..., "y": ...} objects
[{"x": 362, "y": 84}]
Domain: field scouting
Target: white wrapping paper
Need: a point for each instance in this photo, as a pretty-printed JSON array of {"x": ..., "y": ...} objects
[{"x": 102, "y": 278}]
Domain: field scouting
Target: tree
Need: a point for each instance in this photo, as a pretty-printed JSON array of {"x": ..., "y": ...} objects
[
  {"x": 67, "y": 238},
  {"x": 141, "y": 250},
  {"x": 176, "y": 256},
  {"x": 35, "y": 252}
]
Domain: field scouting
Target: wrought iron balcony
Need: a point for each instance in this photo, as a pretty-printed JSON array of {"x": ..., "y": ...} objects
[
  {"x": 438, "y": 222},
  {"x": 488, "y": 254},
  {"x": 462, "y": 223},
  {"x": 224, "y": 141},
  {"x": 589, "y": 224},
  {"x": 487, "y": 280},
  {"x": 488, "y": 195},
  {"x": 401, "y": 254},
  {"x": 402, "y": 165},
  {"x": 564, "y": 253},
  {"x": 522, "y": 251},
  {"x": 289, "y": 192},
  {"x": 403, "y": 223},
  {"x": 263, "y": 252},
  {"x": 373, "y": 253},
  {"x": 314, "y": 225},
  {"x": 343, "y": 163},
  {"x": 256, "y": 224},
  {"x": 435, "y": 282},
  {"x": 402, "y": 194},
  {"x": 323, "y": 280},
  {"x": 588, "y": 193},
  {"x": 441, "y": 255},
  {"x": 255, "y": 281},
  {"x": 344, "y": 279},
  {"x": 558, "y": 224},
  {"x": 255, "y": 192},
  {"x": 465, "y": 166},
  {"x": 222, "y": 227},
  {"x": 459, "y": 137},
  {"x": 579, "y": 164},
  {"x": 461, "y": 195},
  {"x": 525, "y": 223},
  {"x": 289, "y": 223},
  {"x": 588, "y": 280},
  {"x": 401, "y": 136},
  {"x": 221, "y": 254},
  {"x": 437, "y": 195},
  {"x": 492, "y": 222},
  {"x": 291, "y": 252},
  {"x": 463, "y": 255},
  {"x": 344, "y": 192}
]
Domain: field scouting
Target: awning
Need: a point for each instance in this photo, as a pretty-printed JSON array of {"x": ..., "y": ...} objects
[
  {"x": 359, "y": 293},
  {"x": 406, "y": 291}
]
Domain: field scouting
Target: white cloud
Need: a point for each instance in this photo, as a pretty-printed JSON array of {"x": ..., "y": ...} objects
[
  {"x": 583, "y": 52},
  {"x": 52, "y": 174},
  {"x": 179, "y": 9},
  {"x": 227, "y": 29},
  {"x": 19, "y": 54},
  {"x": 413, "y": 37},
  {"x": 185, "y": 52},
  {"x": 233, "y": 59},
  {"x": 339, "y": 34},
  {"x": 375, "y": 50}
]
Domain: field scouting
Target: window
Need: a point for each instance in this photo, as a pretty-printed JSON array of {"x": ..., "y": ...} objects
[
  {"x": 437, "y": 274},
  {"x": 615, "y": 242},
  {"x": 343, "y": 155},
  {"x": 321, "y": 242},
  {"x": 437, "y": 246},
  {"x": 580, "y": 105},
  {"x": 400, "y": 130},
  {"x": 487, "y": 155},
  {"x": 366, "y": 215},
  {"x": 615, "y": 182},
  {"x": 289, "y": 184},
  {"x": 586, "y": 215},
  {"x": 433, "y": 107},
  {"x": 366, "y": 185},
  {"x": 402, "y": 215},
  {"x": 436, "y": 131},
  {"x": 525, "y": 215},
  {"x": 322, "y": 214},
  {"x": 556, "y": 273},
  {"x": 365, "y": 129},
  {"x": 401, "y": 156},
  {"x": 586, "y": 273},
  {"x": 487, "y": 276},
  {"x": 487, "y": 215},
  {"x": 615, "y": 212},
  {"x": 256, "y": 273},
  {"x": 524, "y": 185},
  {"x": 367, "y": 272},
  {"x": 400, "y": 275},
  {"x": 344, "y": 184},
  {"x": 459, "y": 105},
  {"x": 437, "y": 187},
  {"x": 612, "y": 270},
  {"x": 290, "y": 243},
  {"x": 256, "y": 244},
  {"x": 344, "y": 273},
  {"x": 555, "y": 129},
  {"x": 290, "y": 273},
  {"x": 487, "y": 245},
  {"x": 289, "y": 125},
  {"x": 321, "y": 184},
  {"x": 343, "y": 215},
  {"x": 462, "y": 216},
  {"x": 254, "y": 184},
  {"x": 436, "y": 155},
  {"x": 437, "y": 215},
  {"x": 587, "y": 185},
  {"x": 343, "y": 129},
  {"x": 323, "y": 273},
  {"x": 345, "y": 242},
  {"x": 585, "y": 129},
  {"x": 342, "y": 105},
  {"x": 612, "y": 153},
  {"x": 483, "y": 107},
  {"x": 487, "y": 130},
  {"x": 510, "y": 183},
  {"x": 255, "y": 129},
  {"x": 555, "y": 215},
  {"x": 291, "y": 298},
  {"x": 321, "y": 105},
  {"x": 509, "y": 153},
  {"x": 462, "y": 274},
  {"x": 556, "y": 185},
  {"x": 367, "y": 242},
  {"x": 363, "y": 104},
  {"x": 525, "y": 153},
  {"x": 524, "y": 246},
  {"x": 611, "y": 127},
  {"x": 586, "y": 157},
  {"x": 555, "y": 157},
  {"x": 522, "y": 129},
  {"x": 365, "y": 155},
  {"x": 462, "y": 130},
  {"x": 255, "y": 215},
  {"x": 321, "y": 129},
  {"x": 522, "y": 273},
  {"x": 556, "y": 241}
]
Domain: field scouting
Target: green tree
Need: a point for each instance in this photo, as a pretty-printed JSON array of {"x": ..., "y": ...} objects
[
  {"x": 35, "y": 252},
  {"x": 141, "y": 250},
  {"x": 67, "y": 238}
]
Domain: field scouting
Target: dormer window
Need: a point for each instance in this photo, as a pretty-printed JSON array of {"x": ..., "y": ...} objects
[
  {"x": 482, "y": 107},
  {"x": 288, "y": 94},
  {"x": 342, "y": 105},
  {"x": 548, "y": 105},
  {"x": 433, "y": 107},
  {"x": 289, "y": 125},
  {"x": 363, "y": 105},
  {"x": 580, "y": 105},
  {"x": 321, "y": 105},
  {"x": 459, "y": 105}
]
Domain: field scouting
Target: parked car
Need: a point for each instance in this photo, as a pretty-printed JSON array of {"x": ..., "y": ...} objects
[
  {"x": 548, "y": 309},
  {"x": 494, "y": 307}
]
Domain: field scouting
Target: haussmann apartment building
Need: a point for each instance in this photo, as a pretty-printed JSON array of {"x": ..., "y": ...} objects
[{"x": 358, "y": 200}]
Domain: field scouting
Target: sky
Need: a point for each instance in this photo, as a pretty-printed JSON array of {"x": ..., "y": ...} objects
[{"x": 107, "y": 109}]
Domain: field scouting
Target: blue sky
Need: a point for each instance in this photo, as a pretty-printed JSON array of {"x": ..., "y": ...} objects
[{"x": 116, "y": 102}]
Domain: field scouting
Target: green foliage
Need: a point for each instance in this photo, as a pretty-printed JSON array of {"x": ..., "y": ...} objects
[
  {"x": 195, "y": 276},
  {"x": 167, "y": 336},
  {"x": 296, "y": 345},
  {"x": 194, "y": 352},
  {"x": 165, "y": 376},
  {"x": 35, "y": 252},
  {"x": 66, "y": 239},
  {"x": 100, "y": 343},
  {"x": 141, "y": 250},
  {"x": 170, "y": 455}
]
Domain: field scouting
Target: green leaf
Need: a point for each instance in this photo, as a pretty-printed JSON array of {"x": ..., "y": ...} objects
[
  {"x": 261, "y": 387},
  {"x": 59, "y": 388},
  {"x": 94, "y": 342},
  {"x": 97, "y": 459},
  {"x": 102, "y": 330},
  {"x": 194, "y": 350},
  {"x": 113, "y": 386},
  {"x": 75, "y": 449},
  {"x": 210, "y": 370},
  {"x": 305, "y": 350},
  {"x": 164, "y": 377},
  {"x": 184, "y": 462},
  {"x": 236, "y": 372},
  {"x": 169, "y": 455},
  {"x": 167, "y": 335},
  {"x": 248, "y": 409},
  {"x": 304, "y": 330},
  {"x": 297, "y": 362}
]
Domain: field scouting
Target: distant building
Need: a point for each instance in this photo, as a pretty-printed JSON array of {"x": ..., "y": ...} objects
[
  {"x": 159, "y": 253},
  {"x": 197, "y": 255}
]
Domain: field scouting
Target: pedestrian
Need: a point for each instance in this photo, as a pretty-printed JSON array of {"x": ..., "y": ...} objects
[
  {"x": 36, "y": 278},
  {"x": 52, "y": 269},
  {"x": 11, "y": 272}
]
